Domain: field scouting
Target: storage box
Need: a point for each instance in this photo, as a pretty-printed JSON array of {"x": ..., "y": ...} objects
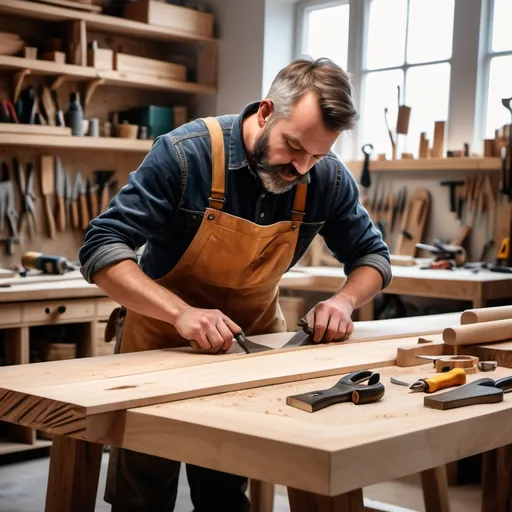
[
  {"x": 125, "y": 63},
  {"x": 175, "y": 17},
  {"x": 159, "y": 120},
  {"x": 101, "y": 59}
]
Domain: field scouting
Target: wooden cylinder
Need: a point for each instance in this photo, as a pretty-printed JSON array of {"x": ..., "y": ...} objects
[
  {"x": 474, "y": 334},
  {"x": 474, "y": 316}
]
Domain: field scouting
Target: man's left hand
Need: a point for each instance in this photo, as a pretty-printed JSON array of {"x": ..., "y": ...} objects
[{"x": 330, "y": 320}]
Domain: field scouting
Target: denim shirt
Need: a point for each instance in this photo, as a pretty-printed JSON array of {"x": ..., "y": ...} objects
[{"x": 163, "y": 203}]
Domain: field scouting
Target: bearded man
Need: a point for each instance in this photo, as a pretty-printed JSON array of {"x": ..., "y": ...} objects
[{"x": 224, "y": 206}]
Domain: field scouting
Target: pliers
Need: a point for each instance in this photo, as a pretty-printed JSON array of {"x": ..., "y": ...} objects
[
  {"x": 349, "y": 388},
  {"x": 25, "y": 184}
]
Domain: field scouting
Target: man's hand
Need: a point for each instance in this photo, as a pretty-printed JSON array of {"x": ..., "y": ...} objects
[
  {"x": 330, "y": 320},
  {"x": 207, "y": 330}
]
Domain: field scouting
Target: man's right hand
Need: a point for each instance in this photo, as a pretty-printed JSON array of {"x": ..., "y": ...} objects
[{"x": 207, "y": 330}]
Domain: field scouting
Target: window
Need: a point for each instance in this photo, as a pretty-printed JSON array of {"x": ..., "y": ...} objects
[
  {"x": 325, "y": 31},
  {"x": 499, "y": 61},
  {"x": 407, "y": 62}
]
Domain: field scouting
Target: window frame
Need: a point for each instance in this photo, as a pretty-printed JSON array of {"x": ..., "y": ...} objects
[{"x": 469, "y": 64}]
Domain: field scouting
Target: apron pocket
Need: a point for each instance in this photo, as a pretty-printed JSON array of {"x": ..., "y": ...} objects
[
  {"x": 218, "y": 266},
  {"x": 271, "y": 265}
]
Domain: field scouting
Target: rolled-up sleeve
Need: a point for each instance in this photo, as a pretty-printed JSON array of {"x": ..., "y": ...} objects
[
  {"x": 350, "y": 233},
  {"x": 137, "y": 213}
]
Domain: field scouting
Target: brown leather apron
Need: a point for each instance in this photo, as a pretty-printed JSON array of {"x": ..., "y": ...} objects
[{"x": 232, "y": 264}]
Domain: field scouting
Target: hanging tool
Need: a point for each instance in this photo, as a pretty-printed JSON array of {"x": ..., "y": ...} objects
[
  {"x": 365, "y": 175},
  {"x": 60, "y": 192},
  {"x": 7, "y": 208},
  {"x": 25, "y": 184},
  {"x": 453, "y": 185},
  {"x": 481, "y": 391},
  {"x": 349, "y": 388},
  {"x": 393, "y": 143},
  {"x": 446, "y": 255},
  {"x": 455, "y": 377}
]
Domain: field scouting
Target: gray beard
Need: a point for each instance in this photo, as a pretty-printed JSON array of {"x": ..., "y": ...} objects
[{"x": 274, "y": 184}]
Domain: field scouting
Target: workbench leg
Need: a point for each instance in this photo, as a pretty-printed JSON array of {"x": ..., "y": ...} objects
[
  {"x": 74, "y": 474},
  {"x": 478, "y": 302},
  {"x": 435, "y": 490},
  {"x": 367, "y": 311},
  {"x": 262, "y": 496},
  {"x": 303, "y": 501},
  {"x": 497, "y": 480}
]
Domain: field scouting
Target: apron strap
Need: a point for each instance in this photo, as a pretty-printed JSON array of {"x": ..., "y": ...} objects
[
  {"x": 299, "y": 204},
  {"x": 218, "y": 163}
]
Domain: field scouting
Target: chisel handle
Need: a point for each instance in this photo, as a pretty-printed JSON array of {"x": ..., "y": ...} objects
[
  {"x": 84, "y": 212},
  {"x": 61, "y": 214},
  {"x": 49, "y": 217},
  {"x": 74, "y": 214},
  {"x": 455, "y": 377}
]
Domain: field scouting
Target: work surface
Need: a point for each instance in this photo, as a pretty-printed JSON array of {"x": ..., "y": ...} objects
[
  {"x": 229, "y": 412},
  {"x": 406, "y": 280}
]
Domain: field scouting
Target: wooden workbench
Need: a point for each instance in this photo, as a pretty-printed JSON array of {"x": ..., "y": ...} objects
[
  {"x": 229, "y": 412},
  {"x": 459, "y": 284}
]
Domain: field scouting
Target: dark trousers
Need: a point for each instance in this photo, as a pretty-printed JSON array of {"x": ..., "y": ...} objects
[{"x": 138, "y": 482}]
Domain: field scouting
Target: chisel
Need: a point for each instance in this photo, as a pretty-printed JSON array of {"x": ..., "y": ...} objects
[{"x": 455, "y": 377}]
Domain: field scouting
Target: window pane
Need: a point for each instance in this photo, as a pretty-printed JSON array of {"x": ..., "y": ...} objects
[
  {"x": 386, "y": 33},
  {"x": 430, "y": 30},
  {"x": 500, "y": 80},
  {"x": 427, "y": 93},
  {"x": 327, "y": 33},
  {"x": 380, "y": 91},
  {"x": 502, "y": 26}
]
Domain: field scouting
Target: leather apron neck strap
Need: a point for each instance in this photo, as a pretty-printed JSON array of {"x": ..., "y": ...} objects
[
  {"x": 218, "y": 163},
  {"x": 217, "y": 199}
]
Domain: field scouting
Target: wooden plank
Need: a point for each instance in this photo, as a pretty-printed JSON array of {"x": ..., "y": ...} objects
[
  {"x": 64, "y": 408},
  {"x": 431, "y": 164},
  {"x": 97, "y": 143},
  {"x": 100, "y": 22},
  {"x": 7, "y": 447},
  {"x": 45, "y": 67},
  {"x": 34, "y": 129},
  {"x": 499, "y": 352},
  {"x": 254, "y": 433}
]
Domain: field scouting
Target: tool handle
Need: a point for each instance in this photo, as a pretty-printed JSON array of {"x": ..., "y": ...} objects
[
  {"x": 49, "y": 216},
  {"x": 317, "y": 400},
  {"x": 74, "y": 214},
  {"x": 84, "y": 212},
  {"x": 368, "y": 394},
  {"x": 61, "y": 214},
  {"x": 455, "y": 377},
  {"x": 94, "y": 205}
]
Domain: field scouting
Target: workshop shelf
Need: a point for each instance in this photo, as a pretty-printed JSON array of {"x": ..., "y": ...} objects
[
  {"x": 100, "y": 22},
  {"x": 97, "y": 143},
  {"x": 81, "y": 73},
  {"x": 476, "y": 164}
]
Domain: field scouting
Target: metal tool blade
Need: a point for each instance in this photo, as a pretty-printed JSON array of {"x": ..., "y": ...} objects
[
  {"x": 398, "y": 382},
  {"x": 79, "y": 186},
  {"x": 60, "y": 179},
  {"x": 418, "y": 386}
]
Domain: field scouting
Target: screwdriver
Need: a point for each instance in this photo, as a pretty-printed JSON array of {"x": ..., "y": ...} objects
[{"x": 455, "y": 377}]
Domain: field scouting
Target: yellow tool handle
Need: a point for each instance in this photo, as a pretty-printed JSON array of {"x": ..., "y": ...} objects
[{"x": 455, "y": 377}]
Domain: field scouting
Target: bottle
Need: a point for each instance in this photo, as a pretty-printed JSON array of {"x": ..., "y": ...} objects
[{"x": 75, "y": 115}]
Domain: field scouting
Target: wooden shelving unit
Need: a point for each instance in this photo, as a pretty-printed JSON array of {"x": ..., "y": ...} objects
[
  {"x": 477, "y": 164},
  {"x": 103, "y": 93},
  {"x": 99, "y": 22},
  {"x": 81, "y": 73},
  {"x": 98, "y": 143}
]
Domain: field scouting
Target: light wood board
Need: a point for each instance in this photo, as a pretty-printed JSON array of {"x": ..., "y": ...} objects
[
  {"x": 64, "y": 408},
  {"x": 330, "y": 452}
]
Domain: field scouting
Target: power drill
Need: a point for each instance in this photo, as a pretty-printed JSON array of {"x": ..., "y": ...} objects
[{"x": 46, "y": 263}]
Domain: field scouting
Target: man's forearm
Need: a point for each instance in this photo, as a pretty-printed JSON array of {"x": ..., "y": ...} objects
[
  {"x": 361, "y": 286},
  {"x": 125, "y": 283}
]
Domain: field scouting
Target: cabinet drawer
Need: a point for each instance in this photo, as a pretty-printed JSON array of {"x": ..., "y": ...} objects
[
  {"x": 10, "y": 314},
  {"x": 59, "y": 311},
  {"x": 105, "y": 307}
]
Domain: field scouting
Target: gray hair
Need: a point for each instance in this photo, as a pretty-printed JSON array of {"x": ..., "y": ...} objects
[{"x": 327, "y": 79}]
